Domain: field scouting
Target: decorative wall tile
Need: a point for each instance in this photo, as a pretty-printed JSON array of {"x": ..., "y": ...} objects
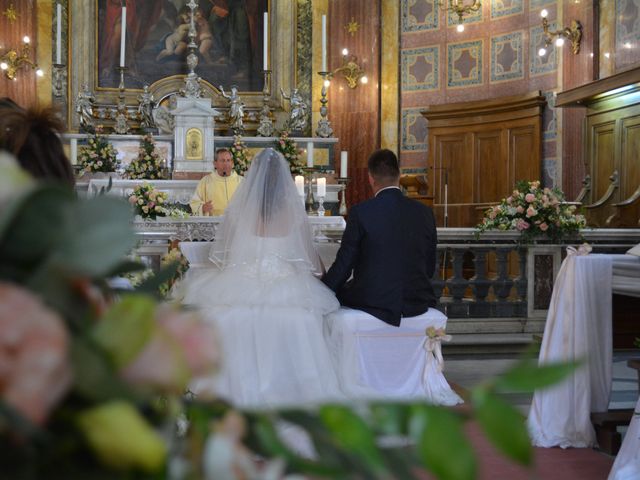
[
  {"x": 414, "y": 130},
  {"x": 464, "y": 63},
  {"x": 420, "y": 15},
  {"x": 540, "y": 65},
  {"x": 420, "y": 68},
  {"x": 549, "y": 118},
  {"x": 471, "y": 17},
  {"x": 539, "y": 4},
  {"x": 507, "y": 57},
  {"x": 505, "y": 8}
]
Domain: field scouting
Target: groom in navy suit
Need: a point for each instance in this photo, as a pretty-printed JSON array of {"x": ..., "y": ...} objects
[{"x": 389, "y": 245}]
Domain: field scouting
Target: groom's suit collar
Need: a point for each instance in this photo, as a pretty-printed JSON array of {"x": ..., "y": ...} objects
[{"x": 392, "y": 187}]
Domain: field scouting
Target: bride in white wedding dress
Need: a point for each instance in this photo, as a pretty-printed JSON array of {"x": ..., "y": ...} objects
[{"x": 264, "y": 298}]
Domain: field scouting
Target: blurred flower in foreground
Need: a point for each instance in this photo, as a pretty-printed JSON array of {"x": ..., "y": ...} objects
[
  {"x": 34, "y": 366},
  {"x": 157, "y": 347},
  {"x": 122, "y": 438}
]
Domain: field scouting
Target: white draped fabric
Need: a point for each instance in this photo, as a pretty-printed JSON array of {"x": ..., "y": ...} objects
[
  {"x": 627, "y": 464},
  {"x": 578, "y": 327},
  {"x": 374, "y": 359}
]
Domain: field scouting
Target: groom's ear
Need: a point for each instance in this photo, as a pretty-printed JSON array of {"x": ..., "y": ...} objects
[{"x": 372, "y": 182}]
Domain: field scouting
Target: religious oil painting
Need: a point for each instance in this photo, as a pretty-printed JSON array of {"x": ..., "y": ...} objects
[{"x": 229, "y": 40}]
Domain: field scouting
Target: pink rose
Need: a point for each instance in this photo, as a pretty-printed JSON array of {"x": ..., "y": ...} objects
[
  {"x": 531, "y": 212},
  {"x": 520, "y": 209},
  {"x": 544, "y": 227},
  {"x": 529, "y": 197},
  {"x": 181, "y": 347},
  {"x": 509, "y": 200},
  {"x": 133, "y": 199},
  {"x": 35, "y": 372},
  {"x": 522, "y": 224}
]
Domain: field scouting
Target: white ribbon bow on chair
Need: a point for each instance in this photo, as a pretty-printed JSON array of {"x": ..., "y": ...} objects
[
  {"x": 433, "y": 347},
  {"x": 584, "y": 249}
]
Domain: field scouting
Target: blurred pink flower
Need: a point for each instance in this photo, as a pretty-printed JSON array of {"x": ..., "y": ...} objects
[
  {"x": 181, "y": 348},
  {"x": 520, "y": 209},
  {"x": 544, "y": 227},
  {"x": 529, "y": 197},
  {"x": 531, "y": 212},
  {"x": 522, "y": 224},
  {"x": 34, "y": 365}
]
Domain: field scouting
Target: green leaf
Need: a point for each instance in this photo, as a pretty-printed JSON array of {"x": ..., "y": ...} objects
[
  {"x": 32, "y": 228},
  {"x": 442, "y": 445},
  {"x": 504, "y": 426},
  {"x": 354, "y": 435},
  {"x": 390, "y": 418},
  {"x": 94, "y": 376},
  {"x": 527, "y": 375},
  {"x": 97, "y": 236},
  {"x": 126, "y": 328}
]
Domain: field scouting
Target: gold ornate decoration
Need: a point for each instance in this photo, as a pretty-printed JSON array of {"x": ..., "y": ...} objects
[
  {"x": 461, "y": 9},
  {"x": 11, "y": 13},
  {"x": 573, "y": 34},
  {"x": 350, "y": 70},
  {"x": 13, "y": 60},
  {"x": 352, "y": 27}
]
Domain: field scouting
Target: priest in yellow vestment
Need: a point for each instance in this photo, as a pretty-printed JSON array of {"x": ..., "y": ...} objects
[{"x": 216, "y": 189}]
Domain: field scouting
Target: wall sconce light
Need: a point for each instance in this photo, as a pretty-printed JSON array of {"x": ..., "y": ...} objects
[
  {"x": 460, "y": 9},
  {"x": 13, "y": 60},
  {"x": 350, "y": 70},
  {"x": 573, "y": 34}
]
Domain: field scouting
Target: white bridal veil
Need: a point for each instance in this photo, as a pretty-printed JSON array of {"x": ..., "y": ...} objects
[{"x": 265, "y": 206}]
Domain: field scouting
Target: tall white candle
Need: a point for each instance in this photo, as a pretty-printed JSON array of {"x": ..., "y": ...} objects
[
  {"x": 299, "y": 179},
  {"x": 123, "y": 33},
  {"x": 58, "y": 34},
  {"x": 322, "y": 187},
  {"x": 73, "y": 151},
  {"x": 310, "y": 154},
  {"x": 324, "y": 43},
  {"x": 343, "y": 164},
  {"x": 265, "y": 42}
]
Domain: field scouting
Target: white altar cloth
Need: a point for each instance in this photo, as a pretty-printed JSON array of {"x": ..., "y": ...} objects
[
  {"x": 377, "y": 360},
  {"x": 578, "y": 327},
  {"x": 627, "y": 464}
]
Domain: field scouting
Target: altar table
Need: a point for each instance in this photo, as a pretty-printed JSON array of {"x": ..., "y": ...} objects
[{"x": 578, "y": 327}]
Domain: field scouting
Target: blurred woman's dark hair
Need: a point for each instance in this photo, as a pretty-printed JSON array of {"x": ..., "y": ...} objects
[{"x": 32, "y": 136}]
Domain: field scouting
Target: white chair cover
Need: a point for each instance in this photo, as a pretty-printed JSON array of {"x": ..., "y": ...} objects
[
  {"x": 377, "y": 360},
  {"x": 627, "y": 464},
  {"x": 578, "y": 327}
]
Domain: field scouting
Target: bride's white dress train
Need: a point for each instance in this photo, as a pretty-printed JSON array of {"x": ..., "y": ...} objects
[{"x": 269, "y": 315}]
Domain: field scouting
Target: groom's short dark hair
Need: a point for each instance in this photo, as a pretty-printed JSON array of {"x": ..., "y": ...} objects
[{"x": 383, "y": 166}]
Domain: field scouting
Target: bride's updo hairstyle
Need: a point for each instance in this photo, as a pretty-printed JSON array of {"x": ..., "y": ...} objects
[{"x": 266, "y": 205}]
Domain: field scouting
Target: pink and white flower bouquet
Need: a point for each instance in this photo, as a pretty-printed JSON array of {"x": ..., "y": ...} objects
[
  {"x": 534, "y": 212},
  {"x": 99, "y": 155},
  {"x": 148, "y": 164},
  {"x": 149, "y": 202}
]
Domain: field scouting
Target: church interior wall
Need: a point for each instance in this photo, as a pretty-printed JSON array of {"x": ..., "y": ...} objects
[{"x": 413, "y": 57}]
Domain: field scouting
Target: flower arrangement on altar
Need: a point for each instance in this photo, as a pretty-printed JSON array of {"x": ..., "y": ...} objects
[
  {"x": 148, "y": 164},
  {"x": 240, "y": 154},
  {"x": 534, "y": 212},
  {"x": 149, "y": 202},
  {"x": 287, "y": 147},
  {"x": 99, "y": 155}
]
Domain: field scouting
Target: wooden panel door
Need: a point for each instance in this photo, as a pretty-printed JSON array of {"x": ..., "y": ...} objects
[
  {"x": 602, "y": 136},
  {"x": 489, "y": 170},
  {"x": 524, "y": 157}
]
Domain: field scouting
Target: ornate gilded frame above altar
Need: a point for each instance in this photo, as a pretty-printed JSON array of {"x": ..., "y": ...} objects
[{"x": 155, "y": 52}]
